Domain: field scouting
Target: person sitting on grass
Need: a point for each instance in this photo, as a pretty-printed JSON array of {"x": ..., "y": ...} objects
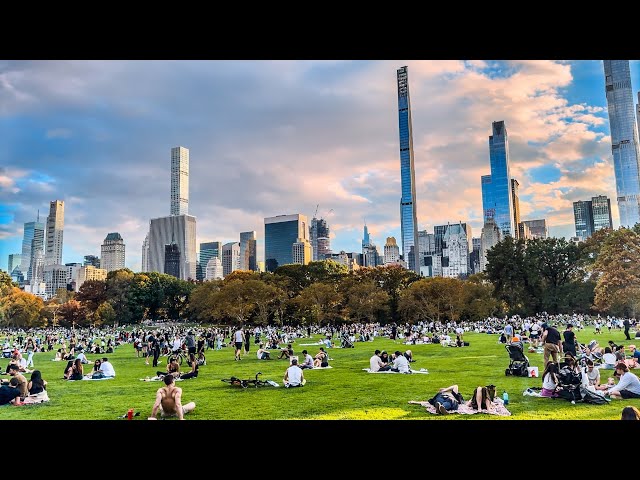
[
  {"x": 483, "y": 398},
  {"x": 77, "y": 371},
  {"x": 630, "y": 413},
  {"x": 169, "y": 401},
  {"x": 286, "y": 352},
  {"x": 628, "y": 386},
  {"x": 193, "y": 363},
  {"x": 400, "y": 363},
  {"x": 173, "y": 368},
  {"x": 106, "y": 368},
  {"x": 263, "y": 353},
  {"x": 321, "y": 359},
  {"x": 550, "y": 380},
  {"x": 308, "y": 360},
  {"x": 10, "y": 394},
  {"x": 294, "y": 376}
]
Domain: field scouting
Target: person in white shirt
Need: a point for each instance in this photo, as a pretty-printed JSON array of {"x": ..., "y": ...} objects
[
  {"x": 83, "y": 358},
  {"x": 628, "y": 386},
  {"x": 238, "y": 338},
  {"x": 263, "y": 353},
  {"x": 106, "y": 368},
  {"x": 400, "y": 363},
  {"x": 294, "y": 376},
  {"x": 308, "y": 360},
  {"x": 376, "y": 364}
]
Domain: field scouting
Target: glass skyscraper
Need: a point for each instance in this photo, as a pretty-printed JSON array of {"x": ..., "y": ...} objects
[
  {"x": 280, "y": 233},
  {"x": 408, "y": 217},
  {"x": 497, "y": 200},
  {"x": 583, "y": 216},
  {"x": 33, "y": 235},
  {"x": 624, "y": 139}
]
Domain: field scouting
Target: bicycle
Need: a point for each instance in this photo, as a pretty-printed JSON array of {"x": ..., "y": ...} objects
[
  {"x": 183, "y": 357},
  {"x": 255, "y": 382}
]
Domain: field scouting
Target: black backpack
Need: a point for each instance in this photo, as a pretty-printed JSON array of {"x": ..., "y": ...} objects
[{"x": 592, "y": 398}]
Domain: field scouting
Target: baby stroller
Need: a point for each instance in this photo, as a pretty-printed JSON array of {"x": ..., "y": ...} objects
[
  {"x": 569, "y": 382},
  {"x": 345, "y": 342},
  {"x": 518, "y": 362},
  {"x": 594, "y": 356}
]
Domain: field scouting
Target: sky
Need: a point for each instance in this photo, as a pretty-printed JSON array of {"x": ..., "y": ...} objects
[{"x": 271, "y": 138}]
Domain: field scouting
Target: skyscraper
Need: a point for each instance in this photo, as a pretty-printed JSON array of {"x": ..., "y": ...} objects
[
  {"x": 230, "y": 257},
  {"x": 179, "y": 181},
  {"x": 537, "y": 228},
  {"x": 320, "y": 243},
  {"x": 601, "y": 207},
  {"x": 31, "y": 230},
  {"x": 145, "y": 254},
  {"x": 112, "y": 252},
  {"x": 178, "y": 229},
  {"x": 55, "y": 230},
  {"x": 489, "y": 237},
  {"x": 583, "y": 217},
  {"x": 248, "y": 245},
  {"x": 280, "y": 233},
  {"x": 172, "y": 260},
  {"x": 408, "y": 216},
  {"x": 209, "y": 250},
  {"x": 497, "y": 200},
  {"x": 301, "y": 251},
  {"x": 391, "y": 251},
  {"x": 624, "y": 139},
  {"x": 214, "y": 270},
  {"x": 515, "y": 200},
  {"x": 15, "y": 260}
]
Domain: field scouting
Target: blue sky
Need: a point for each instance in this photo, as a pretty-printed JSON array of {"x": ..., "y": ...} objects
[{"x": 279, "y": 137}]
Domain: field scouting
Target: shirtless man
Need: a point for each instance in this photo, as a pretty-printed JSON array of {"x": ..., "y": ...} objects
[{"x": 169, "y": 401}]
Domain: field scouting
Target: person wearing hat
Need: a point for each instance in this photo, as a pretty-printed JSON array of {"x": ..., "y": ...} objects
[
  {"x": 628, "y": 386},
  {"x": 569, "y": 344}
]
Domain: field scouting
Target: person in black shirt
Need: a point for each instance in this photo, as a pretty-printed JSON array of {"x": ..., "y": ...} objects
[
  {"x": 552, "y": 343},
  {"x": 627, "y": 325},
  {"x": 569, "y": 344},
  {"x": 10, "y": 393}
]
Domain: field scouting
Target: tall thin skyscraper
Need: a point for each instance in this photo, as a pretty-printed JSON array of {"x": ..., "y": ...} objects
[
  {"x": 497, "y": 200},
  {"x": 320, "y": 242},
  {"x": 624, "y": 139},
  {"x": 248, "y": 245},
  {"x": 179, "y": 181},
  {"x": 112, "y": 252},
  {"x": 55, "y": 230},
  {"x": 32, "y": 230},
  {"x": 408, "y": 216},
  {"x": 145, "y": 254},
  {"x": 515, "y": 199}
]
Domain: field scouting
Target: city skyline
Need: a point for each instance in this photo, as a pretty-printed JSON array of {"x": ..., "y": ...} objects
[{"x": 267, "y": 138}]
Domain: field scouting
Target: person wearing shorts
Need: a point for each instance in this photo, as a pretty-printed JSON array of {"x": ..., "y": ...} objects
[
  {"x": 169, "y": 401},
  {"x": 238, "y": 338}
]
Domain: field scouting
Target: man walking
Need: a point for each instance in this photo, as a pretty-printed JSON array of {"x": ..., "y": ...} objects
[
  {"x": 552, "y": 342},
  {"x": 238, "y": 338},
  {"x": 627, "y": 325}
]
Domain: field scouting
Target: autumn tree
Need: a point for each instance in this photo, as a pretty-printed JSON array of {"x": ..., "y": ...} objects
[
  {"x": 319, "y": 303},
  {"x": 19, "y": 309},
  {"x": 435, "y": 299},
  {"x": 365, "y": 301},
  {"x": 73, "y": 313}
]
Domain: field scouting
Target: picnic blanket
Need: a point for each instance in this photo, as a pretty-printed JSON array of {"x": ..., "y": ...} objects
[
  {"x": 309, "y": 344},
  {"x": 87, "y": 377},
  {"x": 37, "y": 398},
  {"x": 422, "y": 370},
  {"x": 464, "y": 409},
  {"x": 158, "y": 379},
  {"x": 319, "y": 368}
]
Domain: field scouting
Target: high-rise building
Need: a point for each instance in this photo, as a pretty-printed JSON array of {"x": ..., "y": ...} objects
[
  {"x": 55, "y": 278},
  {"x": 624, "y": 139},
  {"x": 214, "y": 270},
  {"x": 248, "y": 246},
  {"x": 392, "y": 251},
  {"x": 15, "y": 260},
  {"x": 112, "y": 252},
  {"x": 72, "y": 274},
  {"x": 208, "y": 250},
  {"x": 515, "y": 200},
  {"x": 179, "y": 181},
  {"x": 55, "y": 230},
  {"x": 35, "y": 274},
  {"x": 523, "y": 232},
  {"x": 230, "y": 257},
  {"x": 172, "y": 260},
  {"x": 92, "y": 260},
  {"x": 601, "y": 206},
  {"x": 369, "y": 250},
  {"x": 145, "y": 254},
  {"x": 408, "y": 215},
  {"x": 319, "y": 235},
  {"x": 474, "y": 256},
  {"x": 583, "y": 217},
  {"x": 32, "y": 230},
  {"x": 591, "y": 216},
  {"x": 89, "y": 272},
  {"x": 490, "y": 236},
  {"x": 497, "y": 200},
  {"x": 178, "y": 229},
  {"x": 280, "y": 233},
  {"x": 455, "y": 250},
  {"x": 537, "y": 228},
  {"x": 426, "y": 247},
  {"x": 301, "y": 251}
]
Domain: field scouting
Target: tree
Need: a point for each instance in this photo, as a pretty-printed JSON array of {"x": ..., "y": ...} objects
[
  {"x": 117, "y": 289},
  {"x": 73, "y": 313},
  {"x": 91, "y": 294},
  {"x": 266, "y": 298},
  {"x": 235, "y": 300},
  {"x": 436, "y": 299},
  {"x": 393, "y": 279},
  {"x": 478, "y": 300},
  {"x": 365, "y": 301},
  {"x": 202, "y": 302},
  {"x": 319, "y": 302},
  {"x": 20, "y": 309},
  {"x": 617, "y": 270},
  {"x": 105, "y": 315}
]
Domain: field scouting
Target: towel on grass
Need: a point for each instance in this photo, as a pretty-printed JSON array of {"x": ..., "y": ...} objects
[
  {"x": 319, "y": 368},
  {"x": 464, "y": 409},
  {"x": 422, "y": 370},
  {"x": 158, "y": 379}
]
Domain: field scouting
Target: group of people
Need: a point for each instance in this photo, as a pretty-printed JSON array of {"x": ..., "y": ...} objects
[
  {"x": 102, "y": 368},
  {"x": 19, "y": 391},
  {"x": 398, "y": 362}
]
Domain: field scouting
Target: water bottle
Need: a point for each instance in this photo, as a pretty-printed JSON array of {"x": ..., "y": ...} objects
[
  {"x": 505, "y": 398},
  {"x": 130, "y": 414}
]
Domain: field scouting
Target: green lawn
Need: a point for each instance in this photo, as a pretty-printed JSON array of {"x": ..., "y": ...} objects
[{"x": 344, "y": 392}]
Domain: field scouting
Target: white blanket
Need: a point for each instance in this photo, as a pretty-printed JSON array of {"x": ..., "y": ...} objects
[
  {"x": 157, "y": 379},
  {"x": 318, "y": 368},
  {"x": 422, "y": 370}
]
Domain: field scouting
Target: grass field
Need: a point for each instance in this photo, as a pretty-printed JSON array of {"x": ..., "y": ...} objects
[{"x": 344, "y": 392}]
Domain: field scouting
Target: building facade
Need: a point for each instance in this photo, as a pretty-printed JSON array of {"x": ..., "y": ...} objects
[
  {"x": 55, "y": 277},
  {"x": 89, "y": 272},
  {"x": 583, "y": 219},
  {"x": 248, "y": 247},
  {"x": 172, "y": 260},
  {"x": 392, "y": 251},
  {"x": 455, "y": 250},
  {"x": 497, "y": 200},
  {"x": 32, "y": 231},
  {"x": 208, "y": 250},
  {"x": 301, "y": 251},
  {"x": 280, "y": 233},
  {"x": 319, "y": 236},
  {"x": 515, "y": 200},
  {"x": 491, "y": 235},
  {"x": 179, "y": 181},
  {"x": 55, "y": 233},
  {"x": 624, "y": 139},
  {"x": 178, "y": 229},
  {"x": 537, "y": 228},
  {"x": 145, "y": 254},
  {"x": 112, "y": 252},
  {"x": 601, "y": 207},
  {"x": 408, "y": 215},
  {"x": 15, "y": 260},
  {"x": 230, "y": 257},
  {"x": 214, "y": 270}
]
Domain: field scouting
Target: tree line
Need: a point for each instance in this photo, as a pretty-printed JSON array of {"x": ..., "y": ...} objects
[{"x": 522, "y": 277}]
